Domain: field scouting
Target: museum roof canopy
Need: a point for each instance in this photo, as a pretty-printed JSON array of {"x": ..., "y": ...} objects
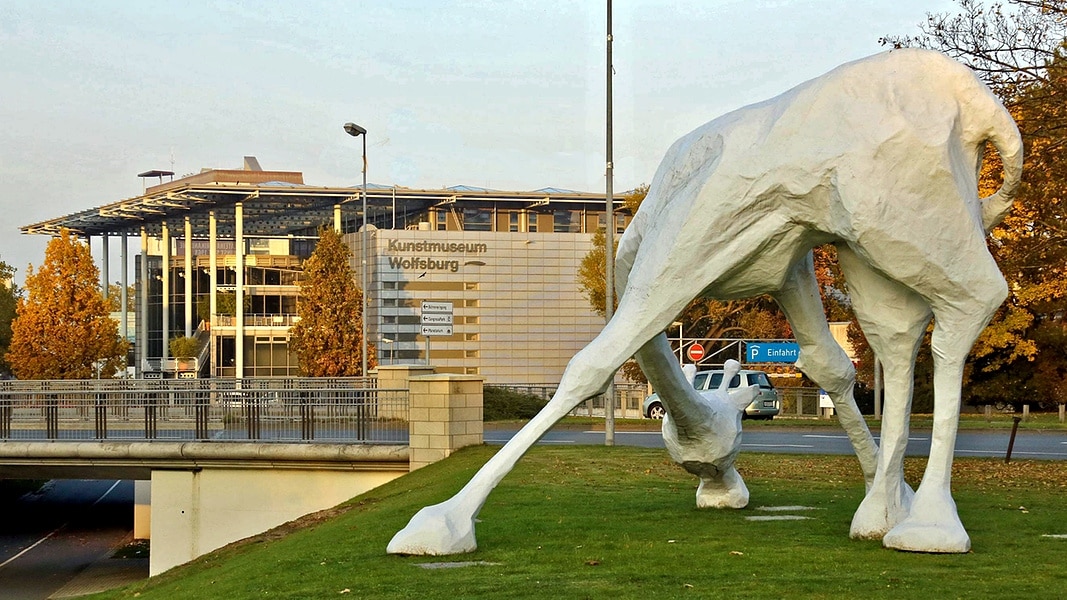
[{"x": 278, "y": 203}]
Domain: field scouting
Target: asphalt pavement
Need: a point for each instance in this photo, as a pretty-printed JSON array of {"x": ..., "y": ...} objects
[
  {"x": 55, "y": 543},
  {"x": 1051, "y": 445}
]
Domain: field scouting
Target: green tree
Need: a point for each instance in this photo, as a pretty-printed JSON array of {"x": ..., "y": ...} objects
[
  {"x": 327, "y": 339},
  {"x": 62, "y": 329},
  {"x": 225, "y": 304},
  {"x": 183, "y": 347},
  {"x": 9, "y": 295}
]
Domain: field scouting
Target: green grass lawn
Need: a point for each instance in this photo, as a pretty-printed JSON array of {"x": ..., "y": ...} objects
[{"x": 598, "y": 522}]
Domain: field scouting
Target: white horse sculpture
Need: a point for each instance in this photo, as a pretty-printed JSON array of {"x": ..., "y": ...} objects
[{"x": 880, "y": 157}]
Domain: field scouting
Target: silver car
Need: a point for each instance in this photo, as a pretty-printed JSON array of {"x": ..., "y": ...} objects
[{"x": 765, "y": 406}]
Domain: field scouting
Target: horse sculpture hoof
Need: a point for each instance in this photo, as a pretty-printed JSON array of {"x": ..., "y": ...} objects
[
  {"x": 434, "y": 530},
  {"x": 933, "y": 526},
  {"x": 940, "y": 538},
  {"x": 880, "y": 511}
]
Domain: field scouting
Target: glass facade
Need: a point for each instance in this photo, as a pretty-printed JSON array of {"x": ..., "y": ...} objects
[{"x": 509, "y": 274}]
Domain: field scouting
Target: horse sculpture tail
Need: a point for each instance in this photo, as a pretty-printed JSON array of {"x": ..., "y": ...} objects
[{"x": 1004, "y": 135}]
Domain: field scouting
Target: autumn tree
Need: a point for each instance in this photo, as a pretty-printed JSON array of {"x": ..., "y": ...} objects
[
  {"x": 327, "y": 339},
  {"x": 114, "y": 297},
  {"x": 1018, "y": 49},
  {"x": 9, "y": 295},
  {"x": 62, "y": 329}
]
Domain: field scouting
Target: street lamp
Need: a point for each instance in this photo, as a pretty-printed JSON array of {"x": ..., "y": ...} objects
[
  {"x": 386, "y": 340},
  {"x": 356, "y": 131}
]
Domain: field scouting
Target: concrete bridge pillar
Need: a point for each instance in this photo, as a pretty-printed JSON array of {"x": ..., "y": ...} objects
[{"x": 445, "y": 415}]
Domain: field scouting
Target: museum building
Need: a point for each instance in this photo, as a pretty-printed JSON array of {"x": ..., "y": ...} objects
[{"x": 498, "y": 270}]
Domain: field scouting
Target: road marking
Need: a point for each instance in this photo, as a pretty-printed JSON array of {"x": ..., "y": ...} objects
[
  {"x": 994, "y": 453},
  {"x": 109, "y": 490},
  {"x": 506, "y": 440},
  {"x": 845, "y": 437},
  {"x": 35, "y": 544},
  {"x": 778, "y": 445},
  {"x": 57, "y": 529}
]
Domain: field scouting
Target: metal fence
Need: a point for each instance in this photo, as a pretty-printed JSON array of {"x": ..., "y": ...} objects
[
  {"x": 349, "y": 410},
  {"x": 799, "y": 402},
  {"x": 628, "y": 398}
]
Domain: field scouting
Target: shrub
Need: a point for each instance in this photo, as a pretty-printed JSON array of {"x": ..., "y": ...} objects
[
  {"x": 502, "y": 404},
  {"x": 183, "y": 347}
]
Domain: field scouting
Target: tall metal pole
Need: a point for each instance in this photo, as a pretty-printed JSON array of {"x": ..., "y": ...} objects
[
  {"x": 609, "y": 248},
  {"x": 363, "y": 258},
  {"x": 356, "y": 131}
]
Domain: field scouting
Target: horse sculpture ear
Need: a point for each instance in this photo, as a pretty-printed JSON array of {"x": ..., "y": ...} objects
[
  {"x": 729, "y": 369},
  {"x": 690, "y": 373},
  {"x": 740, "y": 397}
]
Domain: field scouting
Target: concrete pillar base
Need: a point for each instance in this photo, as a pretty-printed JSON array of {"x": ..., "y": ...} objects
[{"x": 195, "y": 512}]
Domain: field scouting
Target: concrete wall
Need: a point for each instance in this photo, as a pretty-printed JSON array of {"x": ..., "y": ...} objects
[
  {"x": 195, "y": 512},
  {"x": 445, "y": 415}
]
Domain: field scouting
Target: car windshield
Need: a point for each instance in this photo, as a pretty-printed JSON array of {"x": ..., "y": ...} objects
[{"x": 760, "y": 379}]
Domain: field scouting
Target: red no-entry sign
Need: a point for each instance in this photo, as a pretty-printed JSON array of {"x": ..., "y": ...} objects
[{"x": 695, "y": 352}]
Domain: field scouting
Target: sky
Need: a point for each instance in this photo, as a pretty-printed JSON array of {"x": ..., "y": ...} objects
[{"x": 508, "y": 95}]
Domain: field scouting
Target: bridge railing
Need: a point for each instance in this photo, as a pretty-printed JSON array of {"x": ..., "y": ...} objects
[{"x": 267, "y": 410}]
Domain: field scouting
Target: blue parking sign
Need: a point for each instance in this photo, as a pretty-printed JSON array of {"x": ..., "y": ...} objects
[{"x": 768, "y": 352}]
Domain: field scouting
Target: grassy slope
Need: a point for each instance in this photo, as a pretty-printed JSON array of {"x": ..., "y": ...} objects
[{"x": 596, "y": 522}]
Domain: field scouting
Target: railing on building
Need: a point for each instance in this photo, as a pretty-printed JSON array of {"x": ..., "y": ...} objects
[
  {"x": 258, "y": 320},
  {"x": 346, "y": 410}
]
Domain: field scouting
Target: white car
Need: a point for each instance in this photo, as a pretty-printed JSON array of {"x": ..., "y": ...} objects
[{"x": 765, "y": 406}]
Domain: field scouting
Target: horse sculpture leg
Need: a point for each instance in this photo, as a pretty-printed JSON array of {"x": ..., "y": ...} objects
[
  {"x": 448, "y": 528},
  {"x": 933, "y": 524},
  {"x": 823, "y": 360},
  {"x": 893, "y": 319}
]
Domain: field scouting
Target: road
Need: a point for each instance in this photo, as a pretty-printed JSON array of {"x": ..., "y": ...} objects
[
  {"x": 48, "y": 537},
  {"x": 826, "y": 440}
]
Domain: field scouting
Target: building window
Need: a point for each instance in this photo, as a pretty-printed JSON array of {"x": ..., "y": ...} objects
[
  {"x": 442, "y": 220},
  {"x": 477, "y": 219},
  {"x": 513, "y": 221},
  {"x": 567, "y": 221}
]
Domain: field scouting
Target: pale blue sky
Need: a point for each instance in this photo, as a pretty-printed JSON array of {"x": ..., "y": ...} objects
[{"x": 508, "y": 95}]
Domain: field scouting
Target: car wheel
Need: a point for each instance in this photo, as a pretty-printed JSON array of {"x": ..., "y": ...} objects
[{"x": 656, "y": 411}]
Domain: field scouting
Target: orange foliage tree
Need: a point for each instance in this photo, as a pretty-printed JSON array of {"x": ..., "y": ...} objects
[
  {"x": 328, "y": 337},
  {"x": 62, "y": 329}
]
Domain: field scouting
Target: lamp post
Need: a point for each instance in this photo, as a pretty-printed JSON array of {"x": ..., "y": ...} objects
[{"x": 356, "y": 131}]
